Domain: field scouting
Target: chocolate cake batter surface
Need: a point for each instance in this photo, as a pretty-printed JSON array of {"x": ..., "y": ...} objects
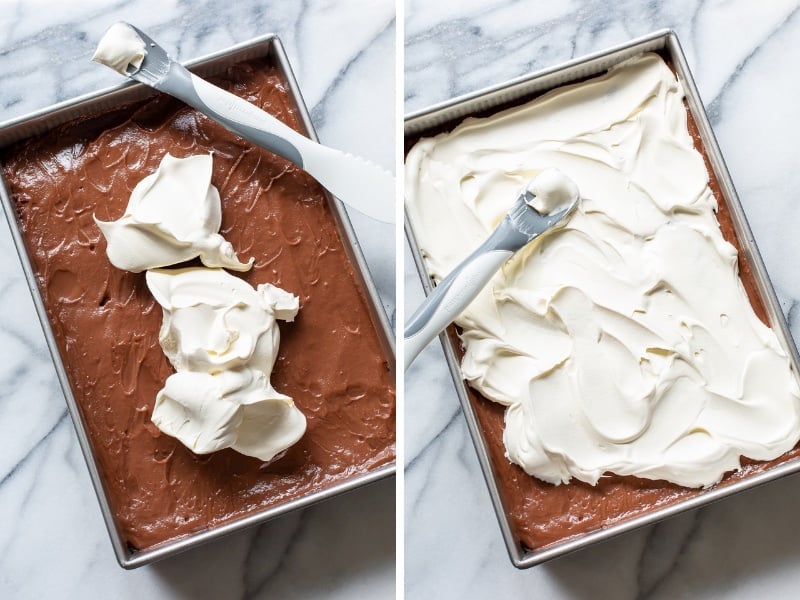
[{"x": 106, "y": 322}]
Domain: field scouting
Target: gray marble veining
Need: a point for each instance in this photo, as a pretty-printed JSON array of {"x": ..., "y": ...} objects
[
  {"x": 742, "y": 55},
  {"x": 53, "y": 542}
]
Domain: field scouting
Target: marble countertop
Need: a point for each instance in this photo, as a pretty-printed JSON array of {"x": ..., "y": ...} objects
[
  {"x": 51, "y": 532},
  {"x": 53, "y": 540},
  {"x": 742, "y": 58}
]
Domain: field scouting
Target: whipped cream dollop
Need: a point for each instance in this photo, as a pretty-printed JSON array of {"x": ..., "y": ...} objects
[
  {"x": 623, "y": 342},
  {"x": 222, "y": 337},
  {"x": 173, "y": 215},
  {"x": 552, "y": 191},
  {"x": 119, "y": 48}
]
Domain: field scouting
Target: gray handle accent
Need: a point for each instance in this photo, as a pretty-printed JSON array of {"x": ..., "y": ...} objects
[
  {"x": 459, "y": 288},
  {"x": 356, "y": 182},
  {"x": 449, "y": 299},
  {"x": 234, "y": 113}
]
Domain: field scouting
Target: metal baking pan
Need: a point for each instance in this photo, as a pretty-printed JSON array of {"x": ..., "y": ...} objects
[
  {"x": 444, "y": 116},
  {"x": 266, "y": 46}
]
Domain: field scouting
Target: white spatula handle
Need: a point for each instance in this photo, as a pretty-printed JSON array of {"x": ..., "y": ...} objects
[{"x": 355, "y": 181}]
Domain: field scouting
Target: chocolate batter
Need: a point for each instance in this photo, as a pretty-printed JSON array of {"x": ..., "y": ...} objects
[{"x": 106, "y": 322}]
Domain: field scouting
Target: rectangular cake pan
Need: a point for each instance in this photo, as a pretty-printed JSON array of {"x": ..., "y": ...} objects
[
  {"x": 446, "y": 115},
  {"x": 12, "y": 131}
]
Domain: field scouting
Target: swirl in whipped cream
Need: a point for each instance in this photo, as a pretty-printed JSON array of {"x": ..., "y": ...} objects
[
  {"x": 222, "y": 337},
  {"x": 623, "y": 342},
  {"x": 173, "y": 215}
]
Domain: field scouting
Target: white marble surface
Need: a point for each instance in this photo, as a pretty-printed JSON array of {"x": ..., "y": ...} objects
[
  {"x": 742, "y": 55},
  {"x": 53, "y": 543}
]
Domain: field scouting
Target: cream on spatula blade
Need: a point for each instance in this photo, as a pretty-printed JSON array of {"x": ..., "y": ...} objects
[
  {"x": 356, "y": 182},
  {"x": 546, "y": 202}
]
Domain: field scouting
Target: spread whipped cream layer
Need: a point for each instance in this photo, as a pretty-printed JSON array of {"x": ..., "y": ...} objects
[
  {"x": 119, "y": 48},
  {"x": 222, "y": 337},
  {"x": 173, "y": 215},
  {"x": 623, "y": 342}
]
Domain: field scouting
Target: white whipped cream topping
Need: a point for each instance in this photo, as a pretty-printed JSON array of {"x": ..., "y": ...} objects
[
  {"x": 120, "y": 47},
  {"x": 222, "y": 337},
  {"x": 172, "y": 216},
  {"x": 553, "y": 191},
  {"x": 623, "y": 342}
]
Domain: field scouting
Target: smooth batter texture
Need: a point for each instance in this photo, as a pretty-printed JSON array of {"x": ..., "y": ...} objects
[
  {"x": 107, "y": 322},
  {"x": 624, "y": 342}
]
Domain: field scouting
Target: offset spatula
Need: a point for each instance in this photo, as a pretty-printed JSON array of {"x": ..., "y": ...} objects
[
  {"x": 356, "y": 182},
  {"x": 521, "y": 225}
]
